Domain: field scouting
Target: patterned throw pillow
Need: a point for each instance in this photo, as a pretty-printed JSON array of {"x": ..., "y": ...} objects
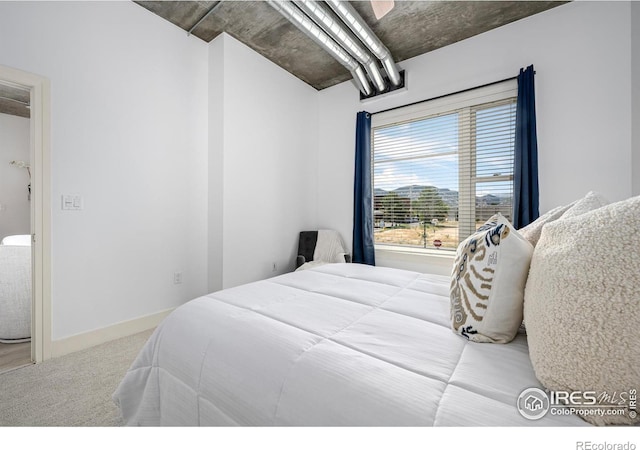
[{"x": 488, "y": 279}]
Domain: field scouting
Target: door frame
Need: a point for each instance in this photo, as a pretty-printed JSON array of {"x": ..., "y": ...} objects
[{"x": 40, "y": 142}]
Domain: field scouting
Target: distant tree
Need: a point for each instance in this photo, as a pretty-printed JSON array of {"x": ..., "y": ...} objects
[
  {"x": 429, "y": 205},
  {"x": 394, "y": 208}
]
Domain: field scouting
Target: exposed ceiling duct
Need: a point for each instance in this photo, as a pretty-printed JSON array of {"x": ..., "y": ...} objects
[
  {"x": 331, "y": 31},
  {"x": 311, "y": 29},
  {"x": 336, "y": 30},
  {"x": 349, "y": 16}
]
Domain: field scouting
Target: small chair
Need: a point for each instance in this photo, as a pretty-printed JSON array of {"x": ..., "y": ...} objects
[{"x": 321, "y": 247}]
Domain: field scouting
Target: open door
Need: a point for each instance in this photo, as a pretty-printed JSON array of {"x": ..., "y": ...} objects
[{"x": 38, "y": 166}]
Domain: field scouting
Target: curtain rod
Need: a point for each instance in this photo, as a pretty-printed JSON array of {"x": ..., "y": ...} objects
[{"x": 446, "y": 95}]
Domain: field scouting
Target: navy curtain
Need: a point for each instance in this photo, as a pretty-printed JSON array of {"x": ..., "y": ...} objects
[
  {"x": 363, "y": 251},
  {"x": 525, "y": 177}
]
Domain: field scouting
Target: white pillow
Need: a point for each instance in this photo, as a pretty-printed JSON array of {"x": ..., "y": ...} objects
[
  {"x": 589, "y": 202},
  {"x": 488, "y": 279},
  {"x": 532, "y": 231},
  {"x": 582, "y": 304}
]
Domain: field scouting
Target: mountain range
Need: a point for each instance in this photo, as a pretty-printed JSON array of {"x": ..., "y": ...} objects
[{"x": 450, "y": 197}]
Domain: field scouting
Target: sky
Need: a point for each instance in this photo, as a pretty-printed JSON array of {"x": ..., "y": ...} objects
[{"x": 425, "y": 152}]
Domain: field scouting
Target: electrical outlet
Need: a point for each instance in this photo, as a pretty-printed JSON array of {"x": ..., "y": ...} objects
[
  {"x": 274, "y": 267},
  {"x": 177, "y": 278}
]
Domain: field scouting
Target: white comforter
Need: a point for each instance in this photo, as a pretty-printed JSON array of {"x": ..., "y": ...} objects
[{"x": 338, "y": 344}]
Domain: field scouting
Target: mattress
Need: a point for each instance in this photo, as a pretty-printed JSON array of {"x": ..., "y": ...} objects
[{"x": 334, "y": 345}]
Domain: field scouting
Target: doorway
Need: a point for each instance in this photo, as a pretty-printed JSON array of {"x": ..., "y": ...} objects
[
  {"x": 16, "y": 298},
  {"x": 27, "y": 241}
]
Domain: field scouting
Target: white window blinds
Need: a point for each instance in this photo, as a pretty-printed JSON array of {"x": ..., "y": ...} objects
[{"x": 443, "y": 167}]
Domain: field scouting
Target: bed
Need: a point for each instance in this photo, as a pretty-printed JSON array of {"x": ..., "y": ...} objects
[{"x": 334, "y": 345}]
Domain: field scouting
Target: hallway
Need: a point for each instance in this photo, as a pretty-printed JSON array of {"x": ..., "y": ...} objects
[{"x": 14, "y": 355}]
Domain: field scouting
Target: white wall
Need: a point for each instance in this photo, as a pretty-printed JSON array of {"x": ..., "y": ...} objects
[
  {"x": 269, "y": 143},
  {"x": 635, "y": 95},
  {"x": 210, "y": 159},
  {"x": 581, "y": 55},
  {"x": 216, "y": 158},
  {"x": 15, "y": 214},
  {"x": 129, "y": 134}
]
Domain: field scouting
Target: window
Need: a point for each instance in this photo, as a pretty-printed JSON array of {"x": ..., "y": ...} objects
[{"x": 443, "y": 167}]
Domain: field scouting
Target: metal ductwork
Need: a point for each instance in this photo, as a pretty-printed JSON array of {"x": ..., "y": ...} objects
[
  {"x": 334, "y": 28},
  {"x": 311, "y": 29},
  {"x": 353, "y": 20}
]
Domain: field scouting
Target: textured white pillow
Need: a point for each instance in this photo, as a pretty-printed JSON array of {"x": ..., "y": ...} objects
[
  {"x": 488, "y": 279},
  {"x": 532, "y": 231},
  {"x": 582, "y": 304},
  {"x": 589, "y": 202}
]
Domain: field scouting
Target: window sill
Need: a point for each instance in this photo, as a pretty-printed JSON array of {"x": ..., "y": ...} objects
[
  {"x": 438, "y": 262},
  {"x": 412, "y": 251}
]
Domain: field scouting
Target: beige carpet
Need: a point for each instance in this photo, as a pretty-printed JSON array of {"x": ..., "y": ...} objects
[{"x": 72, "y": 390}]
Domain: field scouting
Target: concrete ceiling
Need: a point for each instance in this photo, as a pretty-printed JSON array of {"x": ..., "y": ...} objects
[
  {"x": 410, "y": 29},
  {"x": 14, "y": 101}
]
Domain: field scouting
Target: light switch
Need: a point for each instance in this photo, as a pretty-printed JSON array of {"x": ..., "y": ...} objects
[
  {"x": 71, "y": 202},
  {"x": 67, "y": 202}
]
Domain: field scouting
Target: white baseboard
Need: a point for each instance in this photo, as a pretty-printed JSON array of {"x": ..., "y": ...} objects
[{"x": 92, "y": 338}]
